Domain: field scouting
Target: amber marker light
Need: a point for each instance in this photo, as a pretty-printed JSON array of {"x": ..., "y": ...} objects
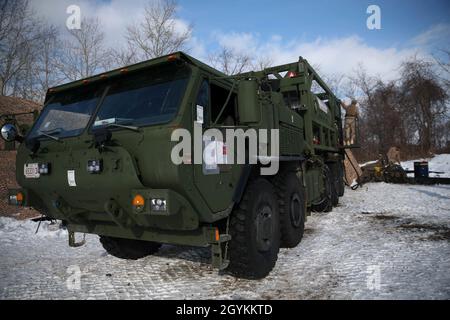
[
  {"x": 217, "y": 234},
  {"x": 172, "y": 57},
  {"x": 19, "y": 197},
  {"x": 138, "y": 201}
]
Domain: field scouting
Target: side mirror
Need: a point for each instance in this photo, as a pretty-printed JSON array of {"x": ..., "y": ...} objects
[
  {"x": 9, "y": 132},
  {"x": 249, "y": 106}
]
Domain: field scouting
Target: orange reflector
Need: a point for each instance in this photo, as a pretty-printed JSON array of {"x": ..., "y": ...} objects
[
  {"x": 172, "y": 57},
  {"x": 19, "y": 197},
  {"x": 138, "y": 201},
  {"x": 85, "y": 81},
  {"x": 217, "y": 235}
]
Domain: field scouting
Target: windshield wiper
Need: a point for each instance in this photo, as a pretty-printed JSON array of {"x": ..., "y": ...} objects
[
  {"x": 48, "y": 135},
  {"x": 133, "y": 128}
]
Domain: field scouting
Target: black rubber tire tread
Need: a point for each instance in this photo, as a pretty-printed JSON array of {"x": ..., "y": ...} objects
[
  {"x": 325, "y": 204},
  {"x": 128, "y": 248},
  {"x": 334, "y": 187},
  {"x": 246, "y": 261},
  {"x": 340, "y": 187},
  {"x": 286, "y": 183}
]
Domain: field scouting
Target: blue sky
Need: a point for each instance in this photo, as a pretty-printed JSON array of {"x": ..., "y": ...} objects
[
  {"x": 331, "y": 34},
  {"x": 402, "y": 20}
]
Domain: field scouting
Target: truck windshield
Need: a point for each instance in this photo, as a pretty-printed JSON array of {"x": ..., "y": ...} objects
[
  {"x": 67, "y": 113},
  {"x": 146, "y": 97}
]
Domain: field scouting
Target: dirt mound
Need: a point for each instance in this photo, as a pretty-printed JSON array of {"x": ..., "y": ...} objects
[
  {"x": 16, "y": 105},
  {"x": 11, "y": 105}
]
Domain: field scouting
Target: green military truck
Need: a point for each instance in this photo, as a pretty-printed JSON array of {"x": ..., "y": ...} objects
[{"x": 100, "y": 158}]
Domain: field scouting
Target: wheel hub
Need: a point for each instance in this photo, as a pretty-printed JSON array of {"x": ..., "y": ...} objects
[
  {"x": 264, "y": 228},
  {"x": 295, "y": 211}
]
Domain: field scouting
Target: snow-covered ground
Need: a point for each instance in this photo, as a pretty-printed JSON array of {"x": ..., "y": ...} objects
[
  {"x": 439, "y": 163},
  {"x": 383, "y": 241}
]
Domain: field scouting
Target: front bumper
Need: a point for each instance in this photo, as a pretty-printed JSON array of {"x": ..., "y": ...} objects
[{"x": 178, "y": 214}]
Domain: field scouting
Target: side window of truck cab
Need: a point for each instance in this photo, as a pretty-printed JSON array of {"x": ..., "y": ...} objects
[
  {"x": 203, "y": 103},
  {"x": 211, "y": 97},
  {"x": 219, "y": 96}
]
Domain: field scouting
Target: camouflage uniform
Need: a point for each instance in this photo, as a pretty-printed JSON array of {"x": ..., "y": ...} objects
[
  {"x": 351, "y": 113},
  {"x": 394, "y": 155}
]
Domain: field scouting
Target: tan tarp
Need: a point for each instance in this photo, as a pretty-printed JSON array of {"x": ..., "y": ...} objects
[{"x": 352, "y": 169}]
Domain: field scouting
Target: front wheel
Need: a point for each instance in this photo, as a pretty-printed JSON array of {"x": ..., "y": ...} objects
[{"x": 255, "y": 232}]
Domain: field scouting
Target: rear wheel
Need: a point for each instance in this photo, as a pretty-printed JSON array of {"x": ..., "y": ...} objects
[
  {"x": 326, "y": 204},
  {"x": 128, "y": 248},
  {"x": 292, "y": 206},
  {"x": 255, "y": 232},
  {"x": 334, "y": 187},
  {"x": 340, "y": 184}
]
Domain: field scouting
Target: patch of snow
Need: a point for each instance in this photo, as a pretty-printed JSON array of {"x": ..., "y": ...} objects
[
  {"x": 439, "y": 163},
  {"x": 368, "y": 163},
  {"x": 383, "y": 241}
]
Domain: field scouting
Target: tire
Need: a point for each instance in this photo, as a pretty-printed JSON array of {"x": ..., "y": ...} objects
[
  {"x": 340, "y": 183},
  {"x": 255, "y": 232},
  {"x": 128, "y": 248},
  {"x": 325, "y": 204},
  {"x": 292, "y": 205},
  {"x": 334, "y": 188}
]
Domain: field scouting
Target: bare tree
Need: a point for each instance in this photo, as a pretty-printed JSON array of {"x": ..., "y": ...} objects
[
  {"x": 425, "y": 99},
  {"x": 19, "y": 34},
  {"x": 262, "y": 63},
  {"x": 45, "y": 69},
  {"x": 122, "y": 57},
  {"x": 159, "y": 33},
  {"x": 443, "y": 62},
  {"x": 84, "y": 53},
  {"x": 230, "y": 61}
]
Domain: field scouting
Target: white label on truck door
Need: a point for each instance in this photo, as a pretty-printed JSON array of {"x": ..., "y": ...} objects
[
  {"x": 31, "y": 170},
  {"x": 71, "y": 178},
  {"x": 199, "y": 114}
]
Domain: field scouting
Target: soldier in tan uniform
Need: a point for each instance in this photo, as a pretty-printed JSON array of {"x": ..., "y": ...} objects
[
  {"x": 393, "y": 155},
  {"x": 351, "y": 113}
]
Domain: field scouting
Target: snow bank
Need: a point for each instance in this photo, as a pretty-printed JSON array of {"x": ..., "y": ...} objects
[
  {"x": 440, "y": 163},
  {"x": 14, "y": 228}
]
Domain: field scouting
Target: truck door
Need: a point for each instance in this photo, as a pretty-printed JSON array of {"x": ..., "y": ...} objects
[{"x": 215, "y": 182}]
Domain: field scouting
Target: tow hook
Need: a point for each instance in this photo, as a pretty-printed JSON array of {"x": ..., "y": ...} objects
[{"x": 73, "y": 243}]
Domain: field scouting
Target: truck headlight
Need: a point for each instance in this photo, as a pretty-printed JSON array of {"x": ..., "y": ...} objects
[
  {"x": 44, "y": 168},
  {"x": 94, "y": 166},
  {"x": 159, "y": 205}
]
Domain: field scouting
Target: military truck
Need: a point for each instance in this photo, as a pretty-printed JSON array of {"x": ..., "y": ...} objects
[{"x": 99, "y": 159}]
